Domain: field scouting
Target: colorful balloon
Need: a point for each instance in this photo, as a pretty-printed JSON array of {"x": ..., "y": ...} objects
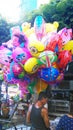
[
  {"x": 18, "y": 70},
  {"x": 39, "y": 27},
  {"x": 55, "y": 43},
  {"x": 20, "y": 55},
  {"x": 48, "y": 74},
  {"x": 31, "y": 65},
  {"x": 40, "y": 86},
  {"x": 64, "y": 57},
  {"x": 52, "y": 27},
  {"x": 69, "y": 46},
  {"x": 51, "y": 55},
  {"x": 66, "y": 35},
  {"x": 35, "y": 48}
]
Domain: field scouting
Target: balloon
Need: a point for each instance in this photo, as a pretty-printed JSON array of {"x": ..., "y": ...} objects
[
  {"x": 1, "y": 72},
  {"x": 15, "y": 30},
  {"x": 64, "y": 57},
  {"x": 39, "y": 27},
  {"x": 31, "y": 86},
  {"x": 31, "y": 65},
  {"x": 20, "y": 55},
  {"x": 60, "y": 78},
  {"x": 25, "y": 26},
  {"x": 69, "y": 46},
  {"x": 18, "y": 70},
  {"x": 55, "y": 43},
  {"x": 5, "y": 56},
  {"x": 20, "y": 40},
  {"x": 48, "y": 74},
  {"x": 52, "y": 27},
  {"x": 40, "y": 86},
  {"x": 35, "y": 48},
  {"x": 66, "y": 35},
  {"x": 51, "y": 55}
]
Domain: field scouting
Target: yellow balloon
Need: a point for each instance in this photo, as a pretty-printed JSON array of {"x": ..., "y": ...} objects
[
  {"x": 69, "y": 46},
  {"x": 36, "y": 47},
  {"x": 25, "y": 26},
  {"x": 41, "y": 86},
  {"x": 52, "y": 27},
  {"x": 31, "y": 65}
]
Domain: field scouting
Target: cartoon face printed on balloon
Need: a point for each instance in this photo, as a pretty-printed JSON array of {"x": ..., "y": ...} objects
[
  {"x": 31, "y": 65},
  {"x": 66, "y": 35},
  {"x": 5, "y": 56},
  {"x": 20, "y": 55},
  {"x": 36, "y": 47},
  {"x": 48, "y": 74},
  {"x": 19, "y": 39}
]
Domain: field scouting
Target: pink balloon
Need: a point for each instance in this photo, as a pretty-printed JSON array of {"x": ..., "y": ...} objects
[
  {"x": 66, "y": 35},
  {"x": 20, "y": 55}
]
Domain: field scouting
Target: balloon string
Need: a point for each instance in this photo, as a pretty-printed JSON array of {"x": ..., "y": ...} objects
[{"x": 48, "y": 63}]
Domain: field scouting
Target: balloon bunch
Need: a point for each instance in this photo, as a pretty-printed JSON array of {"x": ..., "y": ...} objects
[{"x": 36, "y": 56}]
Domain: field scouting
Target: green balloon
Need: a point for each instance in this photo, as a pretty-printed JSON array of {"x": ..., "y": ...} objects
[{"x": 21, "y": 75}]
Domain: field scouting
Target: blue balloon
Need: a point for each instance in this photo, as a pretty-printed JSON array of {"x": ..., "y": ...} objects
[
  {"x": 39, "y": 21},
  {"x": 48, "y": 74}
]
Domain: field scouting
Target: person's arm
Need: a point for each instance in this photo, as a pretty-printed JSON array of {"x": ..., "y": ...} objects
[
  {"x": 45, "y": 117},
  {"x": 28, "y": 114}
]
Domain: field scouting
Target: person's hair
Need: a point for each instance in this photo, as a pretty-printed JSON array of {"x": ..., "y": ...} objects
[
  {"x": 71, "y": 109},
  {"x": 42, "y": 95}
]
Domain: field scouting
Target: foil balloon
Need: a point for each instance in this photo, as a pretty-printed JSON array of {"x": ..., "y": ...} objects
[
  {"x": 69, "y": 46},
  {"x": 52, "y": 27},
  {"x": 40, "y": 86},
  {"x": 1, "y": 72},
  {"x": 19, "y": 39},
  {"x": 51, "y": 55},
  {"x": 48, "y": 74},
  {"x": 39, "y": 27},
  {"x": 15, "y": 30},
  {"x": 55, "y": 43},
  {"x": 31, "y": 65},
  {"x": 64, "y": 57},
  {"x": 66, "y": 35},
  {"x": 35, "y": 48},
  {"x": 20, "y": 55},
  {"x": 5, "y": 56},
  {"x": 18, "y": 70},
  {"x": 31, "y": 86}
]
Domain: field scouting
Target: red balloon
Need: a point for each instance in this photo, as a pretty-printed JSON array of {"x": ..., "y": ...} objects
[
  {"x": 17, "y": 69},
  {"x": 55, "y": 43},
  {"x": 64, "y": 57}
]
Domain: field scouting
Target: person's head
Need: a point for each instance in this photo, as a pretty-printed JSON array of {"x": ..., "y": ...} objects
[
  {"x": 43, "y": 98},
  {"x": 71, "y": 109}
]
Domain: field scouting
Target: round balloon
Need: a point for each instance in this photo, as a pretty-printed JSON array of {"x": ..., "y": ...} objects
[
  {"x": 48, "y": 74},
  {"x": 31, "y": 65},
  {"x": 35, "y": 48},
  {"x": 18, "y": 70},
  {"x": 20, "y": 55}
]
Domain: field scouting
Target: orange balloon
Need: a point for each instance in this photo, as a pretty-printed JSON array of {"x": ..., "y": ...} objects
[{"x": 41, "y": 86}]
